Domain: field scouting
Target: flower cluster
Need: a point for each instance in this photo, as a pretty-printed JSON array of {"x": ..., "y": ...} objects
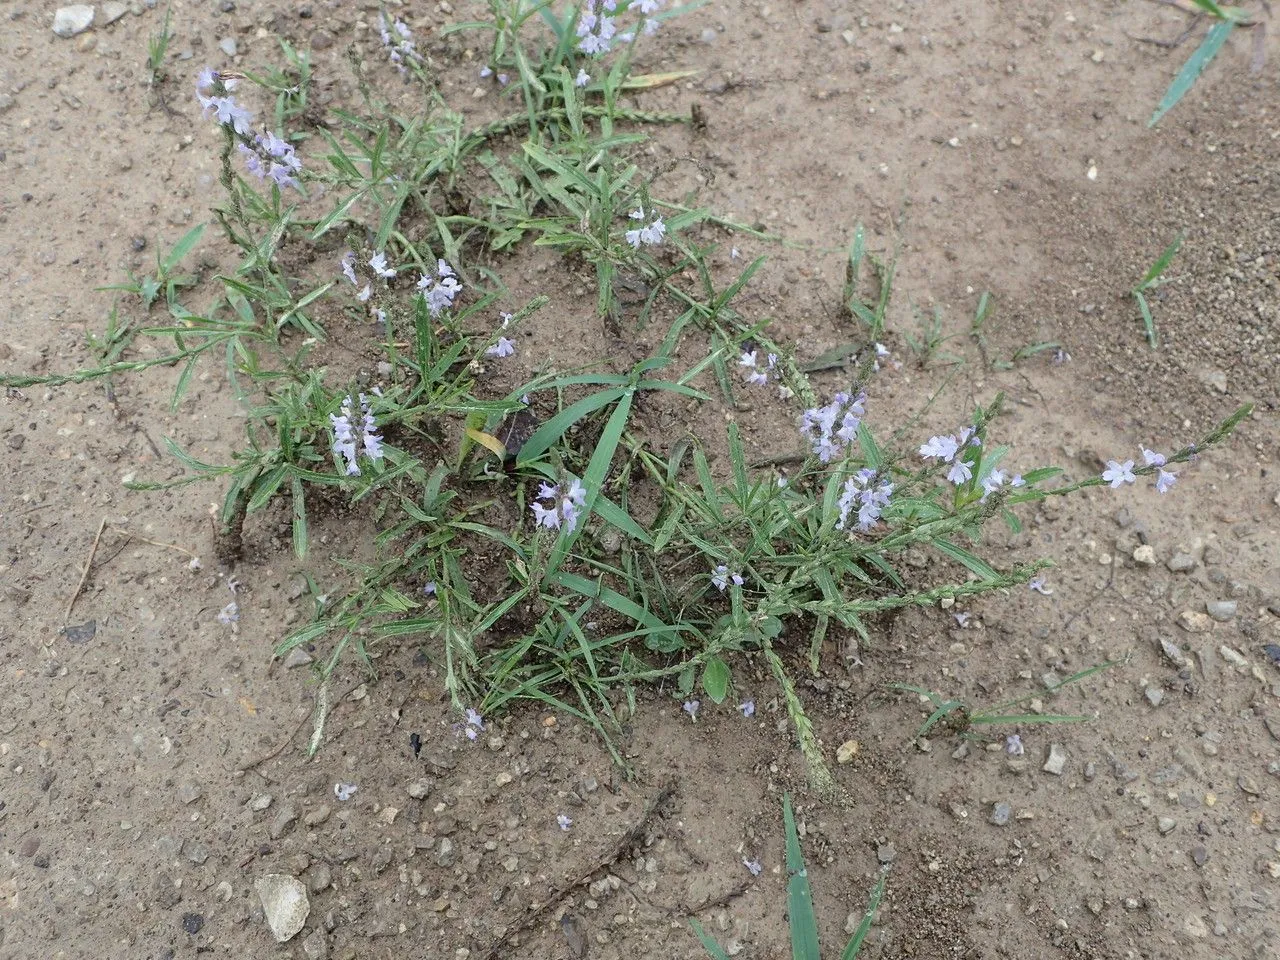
[
  {"x": 439, "y": 290},
  {"x": 831, "y": 429},
  {"x": 503, "y": 346},
  {"x": 348, "y": 437},
  {"x": 502, "y": 78},
  {"x": 214, "y": 93},
  {"x": 566, "y": 505},
  {"x": 723, "y": 577},
  {"x": 473, "y": 726},
  {"x": 1117, "y": 473},
  {"x": 650, "y": 234},
  {"x": 950, "y": 449},
  {"x": 269, "y": 156},
  {"x": 869, "y": 496},
  {"x": 757, "y": 375},
  {"x": 596, "y": 28},
  {"x": 398, "y": 41}
]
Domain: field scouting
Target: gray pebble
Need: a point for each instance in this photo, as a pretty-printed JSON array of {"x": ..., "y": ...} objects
[
  {"x": 1057, "y": 761},
  {"x": 297, "y": 658},
  {"x": 319, "y": 877},
  {"x": 189, "y": 792},
  {"x": 72, "y": 20},
  {"x": 419, "y": 788},
  {"x": 316, "y": 947},
  {"x": 1155, "y": 695},
  {"x": 1166, "y": 824},
  {"x": 1172, "y": 652},
  {"x": 283, "y": 821},
  {"x": 886, "y": 853},
  {"x": 321, "y": 40},
  {"x": 317, "y": 816},
  {"x": 1221, "y": 610},
  {"x": 228, "y": 46},
  {"x": 1181, "y": 563},
  {"x": 259, "y": 802},
  {"x": 445, "y": 854},
  {"x": 1000, "y": 814},
  {"x": 196, "y": 852}
]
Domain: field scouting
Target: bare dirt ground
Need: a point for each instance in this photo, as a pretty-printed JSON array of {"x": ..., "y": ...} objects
[{"x": 151, "y": 765}]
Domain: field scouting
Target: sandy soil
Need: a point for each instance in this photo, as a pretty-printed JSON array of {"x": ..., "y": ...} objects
[{"x": 151, "y": 764}]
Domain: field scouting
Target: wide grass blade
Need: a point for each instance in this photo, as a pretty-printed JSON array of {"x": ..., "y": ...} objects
[
  {"x": 804, "y": 925},
  {"x": 855, "y": 942},
  {"x": 1191, "y": 70}
]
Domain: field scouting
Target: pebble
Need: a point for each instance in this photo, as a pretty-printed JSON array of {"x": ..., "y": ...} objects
[
  {"x": 1193, "y": 622},
  {"x": 444, "y": 854},
  {"x": 321, "y": 40},
  {"x": 1221, "y": 610},
  {"x": 1199, "y": 855},
  {"x": 1000, "y": 814},
  {"x": 1181, "y": 563},
  {"x": 283, "y": 821},
  {"x": 1172, "y": 652},
  {"x": 419, "y": 788},
  {"x": 189, "y": 792},
  {"x": 297, "y": 658},
  {"x": 228, "y": 46},
  {"x": 502, "y": 779},
  {"x": 1233, "y": 657},
  {"x": 317, "y": 816},
  {"x": 1057, "y": 761},
  {"x": 109, "y": 13},
  {"x": 847, "y": 751},
  {"x": 1195, "y": 926},
  {"x": 193, "y": 923},
  {"x": 284, "y": 902},
  {"x": 1145, "y": 556},
  {"x": 316, "y": 947},
  {"x": 259, "y": 802},
  {"x": 1155, "y": 695},
  {"x": 319, "y": 877},
  {"x": 886, "y": 853},
  {"x": 72, "y": 20},
  {"x": 1166, "y": 824}
]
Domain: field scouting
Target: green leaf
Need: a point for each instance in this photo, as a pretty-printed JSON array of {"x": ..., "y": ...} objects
[
  {"x": 299, "y": 519},
  {"x": 713, "y": 948},
  {"x": 182, "y": 248},
  {"x": 555, "y": 428},
  {"x": 715, "y": 679},
  {"x": 967, "y": 559},
  {"x": 1191, "y": 70},
  {"x": 855, "y": 942},
  {"x": 804, "y": 925},
  {"x": 1161, "y": 264}
]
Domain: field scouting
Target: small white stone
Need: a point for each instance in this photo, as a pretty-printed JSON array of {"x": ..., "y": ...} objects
[
  {"x": 284, "y": 901},
  {"x": 1092, "y": 173},
  {"x": 1057, "y": 761},
  {"x": 69, "y": 21}
]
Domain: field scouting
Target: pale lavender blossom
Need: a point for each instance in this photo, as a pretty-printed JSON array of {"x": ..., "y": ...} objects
[
  {"x": 1013, "y": 745},
  {"x": 348, "y": 439},
  {"x": 503, "y": 347},
  {"x": 962, "y": 618},
  {"x": 348, "y": 263},
  {"x": 649, "y": 235},
  {"x": 1164, "y": 480},
  {"x": 1151, "y": 458},
  {"x": 832, "y": 429},
  {"x": 868, "y": 495},
  {"x": 960, "y": 472},
  {"x": 755, "y": 374},
  {"x": 942, "y": 448},
  {"x": 229, "y": 614},
  {"x": 345, "y": 791},
  {"x": 753, "y": 866},
  {"x": 429, "y": 588},
  {"x": 1037, "y": 584},
  {"x": 378, "y": 264},
  {"x": 503, "y": 79},
  {"x": 441, "y": 289},
  {"x": 486, "y": 72},
  {"x": 472, "y": 725},
  {"x": 566, "y": 505},
  {"x": 1118, "y": 474},
  {"x": 949, "y": 449},
  {"x": 734, "y": 253},
  {"x": 270, "y": 156},
  {"x": 565, "y": 822},
  {"x": 582, "y": 79},
  {"x": 748, "y": 708},
  {"x": 596, "y": 29},
  {"x": 723, "y": 577},
  {"x": 691, "y": 707},
  {"x": 364, "y": 295},
  {"x": 398, "y": 41}
]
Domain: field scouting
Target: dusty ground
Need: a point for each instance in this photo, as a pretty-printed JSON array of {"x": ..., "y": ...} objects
[{"x": 961, "y": 135}]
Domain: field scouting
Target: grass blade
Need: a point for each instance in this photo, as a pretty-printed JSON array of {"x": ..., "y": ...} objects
[
  {"x": 804, "y": 925},
  {"x": 1191, "y": 70},
  {"x": 855, "y": 942}
]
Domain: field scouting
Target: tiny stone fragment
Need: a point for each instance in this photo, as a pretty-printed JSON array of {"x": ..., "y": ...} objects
[
  {"x": 1221, "y": 610},
  {"x": 1172, "y": 652},
  {"x": 72, "y": 20},
  {"x": 1166, "y": 824},
  {"x": 847, "y": 751},
  {"x": 284, "y": 902},
  {"x": 1233, "y": 657},
  {"x": 1193, "y": 622},
  {"x": 1181, "y": 563},
  {"x": 1145, "y": 556},
  {"x": 1155, "y": 695},
  {"x": 1057, "y": 761},
  {"x": 1000, "y": 814}
]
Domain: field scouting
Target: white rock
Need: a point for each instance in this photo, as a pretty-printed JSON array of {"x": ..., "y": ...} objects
[
  {"x": 69, "y": 21},
  {"x": 1057, "y": 761},
  {"x": 111, "y": 12},
  {"x": 284, "y": 901},
  {"x": 1233, "y": 657}
]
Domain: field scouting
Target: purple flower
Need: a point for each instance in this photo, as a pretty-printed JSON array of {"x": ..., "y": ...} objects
[
  {"x": 378, "y": 264},
  {"x": 960, "y": 472},
  {"x": 229, "y": 614},
  {"x": 1013, "y": 745},
  {"x": 429, "y": 588},
  {"x": 942, "y": 448},
  {"x": 649, "y": 235},
  {"x": 647, "y": 7},
  {"x": 345, "y": 791},
  {"x": 868, "y": 496},
  {"x": 566, "y": 505},
  {"x": 1038, "y": 586},
  {"x": 992, "y": 482},
  {"x": 1151, "y": 458},
  {"x": 502, "y": 348},
  {"x": 723, "y": 577},
  {"x": 347, "y": 438},
  {"x": 962, "y": 618},
  {"x": 564, "y": 821},
  {"x": 348, "y": 263},
  {"x": 748, "y": 708},
  {"x": 399, "y": 45},
  {"x": 691, "y": 708},
  {"x": 441, "y": 289},
  {"x": 1117, "y": 474},
  {"x": 472, "y": 725},
  {"x": 582, "y": 79},
  {"x": 753, "y": 866},
  {"x": 830, "y": 430},
  {"x": 1164, "y": 480}
]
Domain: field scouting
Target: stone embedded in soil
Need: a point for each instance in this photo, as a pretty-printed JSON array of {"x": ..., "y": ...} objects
[
  {"x": 1172, "y": 652},
  {"x": 284, "y": 902},
  {"x": 1181, "y": 563},
  {"x": 189, "y": 792},
  {"x": 319, "y": 877},
  {"x": 1155, "y": 695},
  {"x": 1000, "y": 814},
  {"x": 1166, "y": 824},
  {"x": 283, "y": 821},
  {"x": 419, "y": 789},
  {"x": 847, "y": 751},
  {"x": 1193, "y": 622},
  {"x": 1233, "y": 657},
  {"x": 1221, "y": 610},
  {"x": 72, "y": 20},
  {"x": 1145, "y": 556},
  {"x": 112, "y": 11},
  {"x": 317, "y": 816},
  {"x": 886, "y": 853},
  {"x": 193, "y": 923},
  {"x": 1199, "y": 855},
  {"x": 1057, "y": 761},
  {"x": 316, "y": 946},
  {"x": 259, "y": 802},
  {"x": 297, "y": 658},
  {"x": 445, "y": 854}
]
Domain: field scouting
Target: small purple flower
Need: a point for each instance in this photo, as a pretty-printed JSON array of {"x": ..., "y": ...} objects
[
  {"x": 942, "y": 448},
  {"x": 348, "y": 263},
  {"x": 992, "y": 482},
  {"x": 1118, "y": 474},
  {"x": 1164, "y": 480},
  {"x": 832, "y": 429},
  {"x": 345, "y": 791},
  {"x": 748, "y": 708},
  {"x": 429, "y": 588},
  {"x": 691, "y": 708},
  {"x": 753, "y": 866},
  {"x": 1013, "y": 745},
  {"x": 648, "y": 235},
  {"x": 1038, "y": 586},
  {"x": 378, "y": 264},
  {"x": 870, "y": 498},
  {"x": 722, "y": 578},
  {"x": 582, "y": 79},
  {"x": 439, "y": 290},
  {"x": 566, "y": 505},
  {"x": 960, "y": 472},
  {"x": 564, "y": 821},
  {"x": 502, "y": 348},
  {"x": 962, "y": 618},
  {"x": 1151, "y": 458},
  {"x": 229, "y": 614},
  {"x": 472, "y": 725},
  {"x": 399, "y": 45}
]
